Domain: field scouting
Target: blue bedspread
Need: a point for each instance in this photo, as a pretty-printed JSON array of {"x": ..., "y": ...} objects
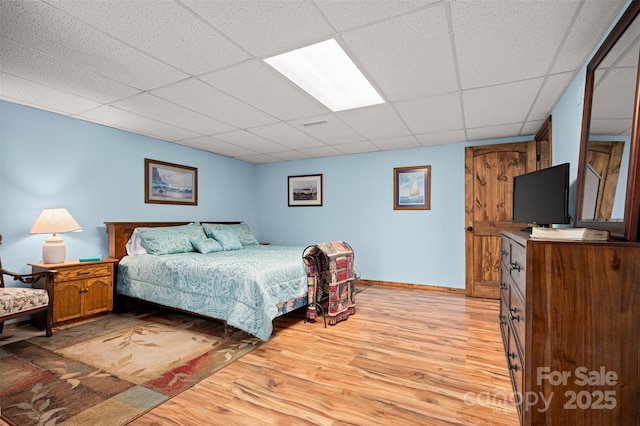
[{"x": 241, "y": 287}]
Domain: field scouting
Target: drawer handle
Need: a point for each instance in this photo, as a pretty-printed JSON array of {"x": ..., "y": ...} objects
[
  {"x": 513, "y": 367},
  {"x": 503, "y": 252},
  {"x": 511, "y": 354},
  {"x": 514, "y": 266},
  {"x": 84, "y": 272}
]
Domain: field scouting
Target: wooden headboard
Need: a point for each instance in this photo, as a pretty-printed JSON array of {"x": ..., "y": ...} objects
[{"x": 120, "y": 232}]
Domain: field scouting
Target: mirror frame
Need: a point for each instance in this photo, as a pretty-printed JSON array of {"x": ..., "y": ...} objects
[{"x": 627, "y": 229}]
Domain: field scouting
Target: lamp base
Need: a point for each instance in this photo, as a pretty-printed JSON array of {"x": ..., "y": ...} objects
[{"x": 53, "y": 250}]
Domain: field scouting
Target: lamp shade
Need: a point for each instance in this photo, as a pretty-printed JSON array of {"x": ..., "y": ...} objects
[{"x": 54, "y": 221}]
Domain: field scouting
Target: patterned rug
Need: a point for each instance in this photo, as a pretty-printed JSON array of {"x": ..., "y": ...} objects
[{"x": 112, "y": 370}]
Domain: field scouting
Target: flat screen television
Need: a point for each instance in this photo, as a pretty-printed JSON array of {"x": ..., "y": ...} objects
[{"x": 541, "y": 198}]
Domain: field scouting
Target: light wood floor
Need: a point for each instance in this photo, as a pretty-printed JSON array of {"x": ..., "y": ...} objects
[{"x": 407, "y": 357}]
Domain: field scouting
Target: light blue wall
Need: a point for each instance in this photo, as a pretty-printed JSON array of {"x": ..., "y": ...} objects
[
  {"x": 97, "y": 173},
  {"x": 416, "y": 247}
]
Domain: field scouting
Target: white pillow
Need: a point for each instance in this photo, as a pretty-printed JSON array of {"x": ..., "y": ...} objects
[{"x": 134, "y": 245}]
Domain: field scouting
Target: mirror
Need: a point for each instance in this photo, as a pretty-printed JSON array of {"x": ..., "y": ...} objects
[{"x": 607, "y": 194}]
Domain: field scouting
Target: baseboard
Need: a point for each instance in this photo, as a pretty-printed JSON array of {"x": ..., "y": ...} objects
[{"x": 412, "y": 286}]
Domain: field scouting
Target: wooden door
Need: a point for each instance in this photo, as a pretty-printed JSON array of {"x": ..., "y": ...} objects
[
  {"x": 605, "y": 158},
  {"x": 489, "y": 172}
]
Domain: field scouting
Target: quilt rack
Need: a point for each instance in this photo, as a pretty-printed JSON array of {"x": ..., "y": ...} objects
[{"x": 331, "y": 281}]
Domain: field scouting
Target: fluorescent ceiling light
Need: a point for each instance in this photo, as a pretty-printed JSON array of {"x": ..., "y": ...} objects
[{"x": 327, "y": 73}]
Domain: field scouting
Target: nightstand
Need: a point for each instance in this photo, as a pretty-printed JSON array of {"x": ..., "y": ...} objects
[{"x": 80, "y": 289}]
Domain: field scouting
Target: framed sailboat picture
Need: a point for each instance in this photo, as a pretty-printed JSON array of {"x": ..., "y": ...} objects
[{"x": 412, "y": 188}]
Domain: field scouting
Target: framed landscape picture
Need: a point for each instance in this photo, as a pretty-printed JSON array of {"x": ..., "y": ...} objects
[
  {"x": 168, "y": 183},
  {"x": 305, "y": 190},
  {"x": 412, "y": 188}
]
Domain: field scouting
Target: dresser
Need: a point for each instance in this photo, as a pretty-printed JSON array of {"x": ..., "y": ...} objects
[
  {"x": 570, "y": 323},
  {"x": 80, "y": 289}
]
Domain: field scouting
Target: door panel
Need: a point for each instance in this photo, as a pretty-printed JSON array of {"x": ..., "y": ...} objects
[{"x": 489, "y": 196}]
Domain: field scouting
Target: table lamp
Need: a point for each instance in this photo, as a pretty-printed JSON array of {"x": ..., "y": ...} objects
[{"x": 54, "y": 221}]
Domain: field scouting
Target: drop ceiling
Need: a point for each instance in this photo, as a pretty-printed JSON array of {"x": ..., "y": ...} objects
[{"x": 192, "y": 71}]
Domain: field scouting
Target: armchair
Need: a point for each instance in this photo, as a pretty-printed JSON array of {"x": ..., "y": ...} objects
[{"x": 16, "y": 302}]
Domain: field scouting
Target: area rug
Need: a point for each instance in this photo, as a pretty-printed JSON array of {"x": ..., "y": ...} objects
[{"x": 112, "y": 370}]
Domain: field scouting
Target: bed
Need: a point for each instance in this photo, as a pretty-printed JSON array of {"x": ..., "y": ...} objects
[{"x": 172, "y": 264}]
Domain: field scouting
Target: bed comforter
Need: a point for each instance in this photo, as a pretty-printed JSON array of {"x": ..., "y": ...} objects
[{"x": 242, "y": 287}]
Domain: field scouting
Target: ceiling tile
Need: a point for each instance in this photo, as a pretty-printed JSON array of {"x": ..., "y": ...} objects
[
  {"x": 285, "y": 135},
  {"x": 257, "y": 84},
  {"x": 357, "y": 147},
  {"x": 34, "y": 65},
  {"x": 531, "y": 127},
  {"x": 290, "y": 155},
  {"x": 325, "y": 151},
  {"x": 619, "y": 100},
  {"x": 121, "y": 119},
  {"x": 204, "y": 99},
  {"x": 375, "y": 122},
  {"x": 407, "y": 57},
  {"x": 328, "y": 129},
  {"x": 496, "y": 105},
  {"x": 259, "y": 158},
  {"x": 434, "y": 114},
  {"x": 344, "y": 15},
  {"x": 156, "y": 108},
  {"x": 265, "y": 27},
  {"x": 494, "y": 132},
  {"x": 397, "y": 143},
  {"x": 441, "y": 138},
  {"x": 44, "y": 28},
  {"x": 208, "y": 143},
  {"x": 594, "y": 18},
  {"x": 27, "y": 92},
  {"x": 549, "y": 95},
  {"x": 500, "y": 41},
  {"x": 248, "y": 140},
  {"x": 171, "y": 32}
]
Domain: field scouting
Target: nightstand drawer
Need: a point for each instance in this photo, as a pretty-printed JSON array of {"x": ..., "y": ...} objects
[{"x": 88, "y": 271}]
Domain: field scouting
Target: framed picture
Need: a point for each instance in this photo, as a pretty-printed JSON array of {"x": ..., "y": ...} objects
[
  {"x": 168, "y": 183},
  {"x": 305, "y": 190},
  {"x": 412, "y": 188}
]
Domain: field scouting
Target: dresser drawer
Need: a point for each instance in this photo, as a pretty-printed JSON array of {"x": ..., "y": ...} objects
[
  {"x": 515, "y": 364},
  {"x": 504, "y": 321},
  {"x": 88, "y": 271},
  {"x": 517, "y": 266},
  {"x": 505, "y": 252},
  {"x": 517, "y": 316}
]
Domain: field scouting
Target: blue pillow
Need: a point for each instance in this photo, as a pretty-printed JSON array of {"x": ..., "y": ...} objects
[
  {"x": 244, "y": 234},
  {"x": 227, "y": 238},
  {"x": 241, "y": 230},
  {"x": 208, "y": 245},
  {"x": 164, "y": 241}
]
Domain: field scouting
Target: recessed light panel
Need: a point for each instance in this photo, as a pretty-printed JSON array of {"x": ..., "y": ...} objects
[{"x": 326, "y": 72}]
